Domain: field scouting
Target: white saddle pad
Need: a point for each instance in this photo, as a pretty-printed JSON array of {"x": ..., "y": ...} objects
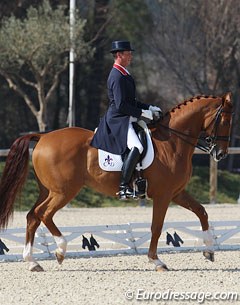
[{"x": 113, "y": 163}]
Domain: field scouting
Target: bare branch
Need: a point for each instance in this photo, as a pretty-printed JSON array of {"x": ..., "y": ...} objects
[
  {"x": 99, "y": 32},
  {"x": 12, "y": 84},
  {"x": 46, "y": 67},
  {"x": 27, "y": 82},
  {"x": 55, "y": 82}
]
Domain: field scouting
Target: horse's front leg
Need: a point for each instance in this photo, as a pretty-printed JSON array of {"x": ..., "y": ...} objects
[
  {"x": 185, "y": 200},
  {"x": 159, "y": 212}
]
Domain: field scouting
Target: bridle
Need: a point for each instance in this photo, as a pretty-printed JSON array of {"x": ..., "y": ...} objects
[
  {"x": 205, "y": 142},
  {"x": 210, "y": 140}
]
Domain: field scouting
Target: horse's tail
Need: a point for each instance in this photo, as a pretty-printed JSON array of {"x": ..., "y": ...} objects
[{"x": 14, "y": 176}]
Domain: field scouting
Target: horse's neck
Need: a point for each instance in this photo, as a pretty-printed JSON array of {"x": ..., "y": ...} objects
[
  {"x": 188, "y": 122},
  {"x": 185, "y": 123}
]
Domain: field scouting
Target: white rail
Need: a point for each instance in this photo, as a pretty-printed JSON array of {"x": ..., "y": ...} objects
[{"x": 130, "y": 238}]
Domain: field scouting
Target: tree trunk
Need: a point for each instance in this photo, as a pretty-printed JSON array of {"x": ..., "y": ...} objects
[{"x": 41, "y": 123}]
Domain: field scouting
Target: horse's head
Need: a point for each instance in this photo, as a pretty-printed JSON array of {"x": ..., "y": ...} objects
[{"x": 217, "y": 128}]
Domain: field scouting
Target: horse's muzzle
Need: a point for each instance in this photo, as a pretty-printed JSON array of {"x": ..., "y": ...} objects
[{"x": 218, "y": 154}]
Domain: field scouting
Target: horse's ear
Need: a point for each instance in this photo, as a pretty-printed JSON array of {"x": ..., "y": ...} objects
[{"x": 228, "y": 97}]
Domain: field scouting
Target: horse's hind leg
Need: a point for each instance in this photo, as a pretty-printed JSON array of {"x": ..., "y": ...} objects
[
  {"x": 185, "y": 200},
  {"x": 45, "y": 211},
  {"x": 33, "y": 223}
]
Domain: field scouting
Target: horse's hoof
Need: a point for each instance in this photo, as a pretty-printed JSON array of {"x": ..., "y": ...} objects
[
  {"x": 59, "y": 256},
  {"x": 159, "y": 265},
  {"x": 161, "y": 268},
  {"x": 209, "y": 255},
  {"x": 36, "y": 268}
]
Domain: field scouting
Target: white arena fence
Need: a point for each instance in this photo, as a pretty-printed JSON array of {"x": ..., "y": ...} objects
[{"x": 129, "y": 238}]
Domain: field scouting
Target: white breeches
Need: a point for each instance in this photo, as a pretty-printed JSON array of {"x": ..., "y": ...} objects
[{"x": 132, "y": 138}]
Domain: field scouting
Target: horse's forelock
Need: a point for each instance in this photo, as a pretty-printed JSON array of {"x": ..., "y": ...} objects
[{"x": 227, "y": 100}]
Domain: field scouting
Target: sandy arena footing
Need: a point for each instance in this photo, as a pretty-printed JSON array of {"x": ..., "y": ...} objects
[{"x": 127, "y": 279}]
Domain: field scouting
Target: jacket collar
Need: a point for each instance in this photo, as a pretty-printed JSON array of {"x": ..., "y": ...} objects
[{"x": 121, "y": 69}]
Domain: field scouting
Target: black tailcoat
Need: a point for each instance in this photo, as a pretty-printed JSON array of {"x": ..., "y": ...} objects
[{"x": 112, "y": 131}]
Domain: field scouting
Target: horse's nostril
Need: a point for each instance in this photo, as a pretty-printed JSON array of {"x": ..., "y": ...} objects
[{"x": 221, "y": 156}]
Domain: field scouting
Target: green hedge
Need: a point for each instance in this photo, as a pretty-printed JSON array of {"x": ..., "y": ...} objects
[
  {"x": 228, "y": 191},
  {"x": 228, "y": 185}
]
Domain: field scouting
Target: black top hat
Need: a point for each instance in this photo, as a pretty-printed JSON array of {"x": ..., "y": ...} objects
[{"x": 121, "y": 46}]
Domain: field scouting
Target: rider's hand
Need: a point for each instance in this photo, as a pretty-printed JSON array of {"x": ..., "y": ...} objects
[
  {"x": 156, "y": 111},
  {"x": 155, "y": 108},
  {"x": 147, "y": 114}
]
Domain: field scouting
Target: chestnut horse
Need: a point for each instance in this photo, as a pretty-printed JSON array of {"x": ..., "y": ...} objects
[{"x": 64, "y": 162}]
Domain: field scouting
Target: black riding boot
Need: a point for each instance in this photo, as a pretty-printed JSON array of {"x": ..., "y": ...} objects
[{"x": 129, "y": 164}]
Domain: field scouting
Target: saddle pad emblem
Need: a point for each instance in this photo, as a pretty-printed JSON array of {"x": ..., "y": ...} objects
[{"x": 109, "y": 162}]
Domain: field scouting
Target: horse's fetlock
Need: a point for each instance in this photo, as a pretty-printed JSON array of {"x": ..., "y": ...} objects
[{"x": 61, "y": 243}]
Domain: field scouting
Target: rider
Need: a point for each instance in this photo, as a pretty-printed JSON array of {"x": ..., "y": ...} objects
[{"x": 115, "y": 132}]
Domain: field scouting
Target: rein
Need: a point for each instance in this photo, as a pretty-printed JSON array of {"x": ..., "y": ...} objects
[{"x": 209, "y": 140}]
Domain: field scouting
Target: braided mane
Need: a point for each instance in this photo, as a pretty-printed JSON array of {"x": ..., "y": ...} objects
[{"x": 192, "y": 99}]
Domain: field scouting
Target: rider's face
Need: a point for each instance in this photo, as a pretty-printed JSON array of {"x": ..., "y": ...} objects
[{"x": 125, "y": 58}]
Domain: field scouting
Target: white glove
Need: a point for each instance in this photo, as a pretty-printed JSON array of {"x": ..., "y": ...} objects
[
  {"x": 155, "y": 108},
  {"x": 147, "y": 114},
  {"x": 156, "y": 111}
]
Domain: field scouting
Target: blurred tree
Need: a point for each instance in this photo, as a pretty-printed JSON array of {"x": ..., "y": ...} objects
[
  {"x": 195, "y": 49},
  {"x": 91, "y": 77},
  {"x": 107, "y": 21},
  {"x": 133, "y": 21},
  {"x": 222, "y": 27},
  {"x": 34, "y": 53},
  {"x": 15, "y": 116},
  {"x": 193, "y": 45},
  {"x": 182, "y": 48}
]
